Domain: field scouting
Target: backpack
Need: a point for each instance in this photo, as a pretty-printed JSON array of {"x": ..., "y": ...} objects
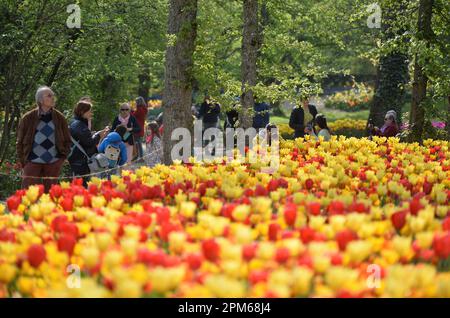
[{"x": 112, "y": 152}]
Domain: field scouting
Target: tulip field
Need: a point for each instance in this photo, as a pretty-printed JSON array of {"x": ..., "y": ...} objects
[{"x": 345, "y": 218}]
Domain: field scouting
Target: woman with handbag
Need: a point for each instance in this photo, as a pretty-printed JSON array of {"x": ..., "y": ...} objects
[
  {"x": 80, "y": 131},
  {"x": 129, "y": 121}
]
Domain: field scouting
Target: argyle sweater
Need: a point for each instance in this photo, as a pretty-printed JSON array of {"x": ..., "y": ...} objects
[{"x": 44, "y": 147}]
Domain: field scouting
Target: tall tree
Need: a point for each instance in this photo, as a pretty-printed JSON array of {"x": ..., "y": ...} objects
[
  {"x": 250, "y": 45},
  {"x": 177, "y": 98},
  {"x": 392, "y": 71},
  {"x": 419, "y": 91}
]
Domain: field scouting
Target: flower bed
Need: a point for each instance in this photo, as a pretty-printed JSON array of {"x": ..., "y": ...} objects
[
  {"x": 346, "y": 218},
  {"x": 351, "y": 100}
]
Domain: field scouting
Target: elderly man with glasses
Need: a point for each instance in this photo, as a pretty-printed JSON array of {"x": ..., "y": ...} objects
[{"x": 43, "y": 141}]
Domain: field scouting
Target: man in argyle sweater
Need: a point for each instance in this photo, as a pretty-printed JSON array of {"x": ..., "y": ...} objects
[{"x": 43, "y": 141}]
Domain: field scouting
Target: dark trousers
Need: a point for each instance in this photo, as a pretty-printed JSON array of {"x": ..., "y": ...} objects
[
  {"x": 140, "y": 148},
  {"x": 35, "y": 171},
  {"x": 299, "y": 134},
  {"x": 80, "y": 169}
]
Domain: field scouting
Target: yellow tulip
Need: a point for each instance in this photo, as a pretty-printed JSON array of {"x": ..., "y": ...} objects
[
  {"x": 241, "y": 212},
  {"x": 7, "y": 273},
  {"x": 90, "y": 256},
  {"x": 128, "y": 289},
  {"x": 187, "y": 209}
]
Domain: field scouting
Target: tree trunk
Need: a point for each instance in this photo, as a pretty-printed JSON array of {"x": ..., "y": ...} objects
[
  {"x": 144, "y": 82},
  {"x": 392, "y": 71},
  {"x": 419, "y": 92},
  {"x": 250, "y": 45},
  {"x": 177, "y": 97}
]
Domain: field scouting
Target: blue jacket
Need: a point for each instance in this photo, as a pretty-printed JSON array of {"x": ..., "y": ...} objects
[{"x": 115, "y": 139}]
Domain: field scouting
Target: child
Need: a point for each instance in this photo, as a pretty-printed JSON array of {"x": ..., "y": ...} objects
[
  {"x": 114, "y": 148},
  {"x": 154, "y": 145},
  {"x": 325, "y": 132}
]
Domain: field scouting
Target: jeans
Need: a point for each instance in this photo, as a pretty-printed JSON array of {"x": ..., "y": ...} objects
[{"x": 38, "y": 170}]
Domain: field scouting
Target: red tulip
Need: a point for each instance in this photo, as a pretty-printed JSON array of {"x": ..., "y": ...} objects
[
  {"x": 162, "y": 214},
  {"x": 137, "y": 195},
  {"x": 446, "y": 224},
  {"x": 248, "y": 193},
  {"x": 426, "y": 255},
  {"x": 313, "y": 208},
  {"x": 6, "y": 236},
  {"x": 67, "y": 204},
  {"x": 290, "y": 214},
  {"x": 273, "y": 185},
  {"x": 167, "y": 228},
  {"x": 260, "y": 191},
  {"x": 307, "y": 234},
  {"x": 13, "y": 202},
  {"x": 427, "y": 187},
  {"x": 344, "y": 237},
  {"x": 336, "y": 208},
  {"x": 194, "y": 261},
  {"x": 58, "y": 221},
  {"x": 415, "y": 206},
  {"x": 274, "y": 229},
  {"x": 93, "y": 189},
  {"x": 144, "y": 220},
  {"x": 66, "y": 243},
  {"x": 36, "y": 255},
  {"x": 441, "y": 246},
  {"x": 171, "y": 261},
  {"x": 282, "y": 255},
  {"x": 69, "y": 228},
  {"x": 55, "y": 191},
  {"x": 309, "y": 184},
  {"x": 305, "y": 260},
  {"x": 249, "y": 251},
  {"x": 398, "y": 219},
  {"x": 358, "y": 207},
  {"x": 336, "y": 259},
  {"x": 258, "y": 276},
  {"x": 211, "y": 250},
  {"x": 282, "y": 183}
]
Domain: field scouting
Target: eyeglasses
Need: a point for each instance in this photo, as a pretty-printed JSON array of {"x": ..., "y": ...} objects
[{"x": 124, "y": 110}]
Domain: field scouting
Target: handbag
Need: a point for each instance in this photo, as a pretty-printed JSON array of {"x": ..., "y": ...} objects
[{"x": 97, "y": 162}]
